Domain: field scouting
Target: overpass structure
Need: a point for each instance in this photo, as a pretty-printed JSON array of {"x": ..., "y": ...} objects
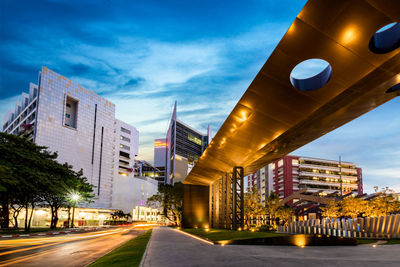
[{"x": 279, "y": 113}]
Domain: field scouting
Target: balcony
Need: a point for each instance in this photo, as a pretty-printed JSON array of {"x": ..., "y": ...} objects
[
  {"x": 313, "y": 174},
  {"x": 328, "y": 168}
]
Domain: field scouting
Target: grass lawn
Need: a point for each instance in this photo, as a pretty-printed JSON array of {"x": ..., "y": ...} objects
[
  {"x": 393, "y": 241},
  {"x": 12, "y": 231},
  {"x": 366, "y": 241},
  {"x": 388, "y": 241},
  {"x": 128, "y": 254},
  {"x": 222, "y": 234}
]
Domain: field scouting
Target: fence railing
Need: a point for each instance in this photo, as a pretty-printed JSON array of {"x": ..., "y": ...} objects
[{"x": 371, "y": 227}]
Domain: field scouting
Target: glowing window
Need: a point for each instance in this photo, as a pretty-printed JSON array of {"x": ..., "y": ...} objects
[{"x": 194, "y": 139}]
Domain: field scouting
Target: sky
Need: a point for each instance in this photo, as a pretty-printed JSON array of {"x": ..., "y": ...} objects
[{"x": 144, "y": 55}]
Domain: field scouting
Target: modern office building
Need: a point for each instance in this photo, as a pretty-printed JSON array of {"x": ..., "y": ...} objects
[
  {"x": 81, "y": 126},
  {"x": 318, "y": 176},
  {"x": 184, "y": 147},
  {"x": 160, "y": 158}
]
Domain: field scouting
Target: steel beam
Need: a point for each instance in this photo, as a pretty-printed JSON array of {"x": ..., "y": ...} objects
[{"x": 238, "y": 198}]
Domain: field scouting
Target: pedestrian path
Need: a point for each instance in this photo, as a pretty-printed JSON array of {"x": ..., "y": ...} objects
[{"x": 168, "y": 247}]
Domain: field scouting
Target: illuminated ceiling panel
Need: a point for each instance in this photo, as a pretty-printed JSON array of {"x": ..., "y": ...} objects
[{"x": 273, "y": 118}]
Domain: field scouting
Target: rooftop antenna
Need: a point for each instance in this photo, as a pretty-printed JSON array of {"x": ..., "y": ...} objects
[{"x": 340, "y": 173}]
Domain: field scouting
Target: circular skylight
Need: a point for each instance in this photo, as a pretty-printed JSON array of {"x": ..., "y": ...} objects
[
  {"x": 311, "y": 74},
  {"x": 386, "y": 39}
]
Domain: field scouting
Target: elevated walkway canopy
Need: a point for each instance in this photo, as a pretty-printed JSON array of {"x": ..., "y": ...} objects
[{"x": 273, "y": 117}]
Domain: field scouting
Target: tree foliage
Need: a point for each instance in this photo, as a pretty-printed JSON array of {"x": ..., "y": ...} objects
[
  {"x": 120, "y": 215},
  {"x": 272, "y": 205},
  {"x": 30, "y": 175},
  {"x": 285, "y": 213},
  {"x": 170, "y": 198},
  {"x": 332, "y": 210},
  {"x": 252, "y": 203},
  {"x": 382, "y": 204}
]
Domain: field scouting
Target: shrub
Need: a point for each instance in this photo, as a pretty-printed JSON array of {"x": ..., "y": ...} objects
[{"x": 265, "y": 228}]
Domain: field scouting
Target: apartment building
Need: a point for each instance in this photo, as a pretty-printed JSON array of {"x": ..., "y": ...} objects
[{"x": 321, "y": 176}]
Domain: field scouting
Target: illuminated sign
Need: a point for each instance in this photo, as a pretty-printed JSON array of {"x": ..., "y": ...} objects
[{"x": 159, "y": 144}]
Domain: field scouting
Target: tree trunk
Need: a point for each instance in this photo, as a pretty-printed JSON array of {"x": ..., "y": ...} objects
[
  {"x": 26, "y": 216},
  {"x": 30, "y": 216},
  {"x": 69, "y": 216},
  {"x": 15, "y": 216},
  {"x": 5, "y": 212},
  {"x": 54, "y": 217}
]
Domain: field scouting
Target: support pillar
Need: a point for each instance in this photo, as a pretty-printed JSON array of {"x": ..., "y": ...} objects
[
  {"x": 195, "y": 206},
  {"x": 238, "y": 198}
]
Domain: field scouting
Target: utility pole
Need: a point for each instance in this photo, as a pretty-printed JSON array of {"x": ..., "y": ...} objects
[{"x": 340, "y": 173}]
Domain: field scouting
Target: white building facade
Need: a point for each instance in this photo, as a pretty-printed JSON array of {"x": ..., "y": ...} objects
[{"x": 81, "y": 127}]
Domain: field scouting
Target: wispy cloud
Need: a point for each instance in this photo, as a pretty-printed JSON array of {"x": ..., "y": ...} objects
[{"x": 144, "y": 55}]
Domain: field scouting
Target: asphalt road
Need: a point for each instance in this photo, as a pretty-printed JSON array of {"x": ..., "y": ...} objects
[{"x": 65, "y": 250}]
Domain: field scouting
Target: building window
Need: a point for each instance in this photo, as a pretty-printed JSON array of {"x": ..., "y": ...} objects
[
  {"x": 124, "y": 154},
  {"x": 194, "y": 139},
  {"x": 71, "y": 112},
  {"x": 123, "y": 138},
  {"x": 295, "y": 162},
  {"x": 280, "y": 163},
  {"x": 125, "y": 130},
  {"x": 124, "y": 147}
]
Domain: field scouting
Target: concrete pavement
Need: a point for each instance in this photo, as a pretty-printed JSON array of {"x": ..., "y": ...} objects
[{"x": 168, "y": 247}]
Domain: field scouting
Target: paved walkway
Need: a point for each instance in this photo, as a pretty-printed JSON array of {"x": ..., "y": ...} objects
[{"x": 168, "y": 247}]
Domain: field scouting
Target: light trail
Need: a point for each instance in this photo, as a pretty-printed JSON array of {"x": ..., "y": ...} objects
[
  {"x": 195, "y": 237},
  {"x": 52, "y": 241}
]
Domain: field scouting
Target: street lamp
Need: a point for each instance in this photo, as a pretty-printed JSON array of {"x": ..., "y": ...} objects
[{"x": 75, "y": 197}]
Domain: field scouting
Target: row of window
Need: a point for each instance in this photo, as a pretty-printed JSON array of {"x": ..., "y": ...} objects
[
  {"x": 124, "y": 147},
  {"x": 123, "y": 138},
  {"x": 125, "y": 130}
]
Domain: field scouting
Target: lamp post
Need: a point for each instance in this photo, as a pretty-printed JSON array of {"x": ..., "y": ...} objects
[{"x": 75, "y": 198}]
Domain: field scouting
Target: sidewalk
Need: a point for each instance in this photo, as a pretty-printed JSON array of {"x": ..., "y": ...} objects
[{"x": 168, "y": 247}]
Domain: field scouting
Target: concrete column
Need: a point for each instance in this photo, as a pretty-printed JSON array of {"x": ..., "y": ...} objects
[{"x": 195, "y": 206}]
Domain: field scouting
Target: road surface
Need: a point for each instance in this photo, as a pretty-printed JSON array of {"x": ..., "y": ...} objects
[{"x": 65, "y": 250}]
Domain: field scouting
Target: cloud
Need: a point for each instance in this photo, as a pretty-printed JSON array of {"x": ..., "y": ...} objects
[{"x": 144, "y": 55}]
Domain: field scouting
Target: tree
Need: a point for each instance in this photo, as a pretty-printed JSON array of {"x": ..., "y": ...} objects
[
  {"x": 61, "y": 182},
  {"x": 383, "y": 204},
  {"x": 29, "y": 174},
  {"x": 120, "y": 214},
  {"x": 285, "y": 213},
  {"x": 170, "y": 197},
  {"x": 22, "y": 164},
  {"x": 352, "y": 207},
  {"x": 331, "y": 210},
  {"x": 252, "y": 204},
  {"x": 271, "y": 205}
]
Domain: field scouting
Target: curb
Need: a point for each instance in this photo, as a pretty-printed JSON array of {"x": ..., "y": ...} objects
[
  {"x": 54, "y": 233},
  {"x": 145, "y": 251}
]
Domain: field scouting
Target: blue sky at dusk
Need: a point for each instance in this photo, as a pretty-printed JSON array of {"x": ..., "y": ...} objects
[{"x": 144, "y": 55}]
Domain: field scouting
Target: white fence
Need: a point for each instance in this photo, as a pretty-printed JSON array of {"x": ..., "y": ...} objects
[{"x": 373, "y": 227}]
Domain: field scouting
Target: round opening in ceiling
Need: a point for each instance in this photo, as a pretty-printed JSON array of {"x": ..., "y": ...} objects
[
  {"x": 311, "y": 74},
  {"x": 386, "y": 39},
  {"x": 394, "y": 88}
]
